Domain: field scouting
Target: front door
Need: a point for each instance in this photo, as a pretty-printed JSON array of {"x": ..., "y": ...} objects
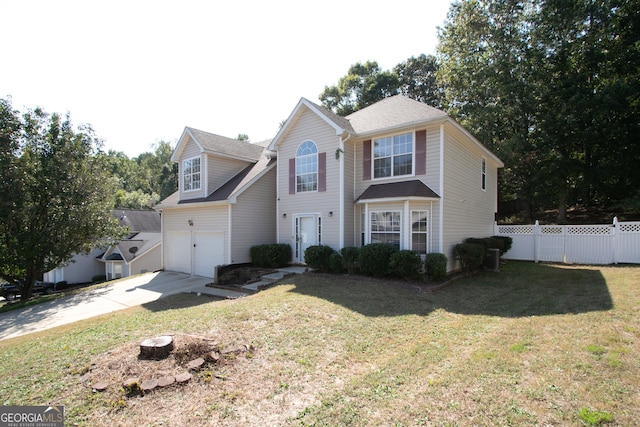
[{"x": 306, "y": 235}]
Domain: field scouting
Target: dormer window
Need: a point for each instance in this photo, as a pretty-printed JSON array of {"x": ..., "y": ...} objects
[{"x": 191, "y": 174}]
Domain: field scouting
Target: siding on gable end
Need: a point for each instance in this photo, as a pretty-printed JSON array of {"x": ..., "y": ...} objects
[
  {"x": 468, "y": 210},
  {"x": 309, "y": 127}
]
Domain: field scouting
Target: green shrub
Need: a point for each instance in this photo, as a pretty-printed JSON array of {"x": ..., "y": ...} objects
[
  {"x": 317, "y": 257},
  {"x": 470, "y": 255},
  {"x": 436, "y": 266},
  {"x": 374, "y": 259},
  {"x": 350, "y": 259},
  {"x": 61, "y": 285},
  {"x": 406, "y": 264},
  {"x": 507, "y": 243},
  {"x": 335, "y": 263},
  {"x": 271, "y": 255},
  {"x": 99, "y": 278}
]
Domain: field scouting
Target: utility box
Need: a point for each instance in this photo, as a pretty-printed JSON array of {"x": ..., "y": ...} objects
[{"x": 492, "y": 262}]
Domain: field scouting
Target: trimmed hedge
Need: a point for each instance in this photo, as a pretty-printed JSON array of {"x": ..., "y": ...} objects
[
  {"x": 436, "y": 266},
  {"x": 471, "y": 255},
  {"x": 271, "y": 255},
  {"x": 350, "y": 259},
  {"x": 318, "y": 257},
  {"x": 99, "y": 278},
  {"x": 507, "y": 243},
  {"x": 374, "y": 259},
  {"x": 406, "y": 264},
  {"x": 336, "y": 264}
]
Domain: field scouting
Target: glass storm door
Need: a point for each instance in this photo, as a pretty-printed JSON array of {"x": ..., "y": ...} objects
[{"x": 306, "y": 235}]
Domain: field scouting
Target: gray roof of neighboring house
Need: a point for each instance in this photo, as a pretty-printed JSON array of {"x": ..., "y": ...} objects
[
  {"x": 414, "y": 188},
  {"x": 138, "y": 220},
  {"x": 392, "y": 112},
  {"x": 213, "y": 143}
]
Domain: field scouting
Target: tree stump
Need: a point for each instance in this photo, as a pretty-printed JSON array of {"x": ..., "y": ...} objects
[{"x": 156, "y": 348}]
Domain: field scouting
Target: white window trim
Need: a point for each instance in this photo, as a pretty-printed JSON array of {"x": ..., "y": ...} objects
[
  {"x": 183, "y": 174},
  {"x": 413, "y": 156},
  {"x": 317, "y": 172},
  {"x": 426, "y": 232},
  {"x": 400, "y": 231}
]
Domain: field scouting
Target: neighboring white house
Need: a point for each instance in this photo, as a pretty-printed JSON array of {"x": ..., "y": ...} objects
[
  {"x": 398, "y": 171},
  {"x": 225, "y": 203},
  {"x": 139, "y": 252}
]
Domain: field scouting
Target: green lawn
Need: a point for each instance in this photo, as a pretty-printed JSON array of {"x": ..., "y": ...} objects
[{"x": 532, "y": 345}]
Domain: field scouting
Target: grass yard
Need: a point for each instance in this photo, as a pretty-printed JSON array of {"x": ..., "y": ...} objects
[{"x": 532, "y": 345}]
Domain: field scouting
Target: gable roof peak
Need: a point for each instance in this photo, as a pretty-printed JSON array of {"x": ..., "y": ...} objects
[
  {"x": 393, "y": 112},
  {"x": 216, "y": 144}
]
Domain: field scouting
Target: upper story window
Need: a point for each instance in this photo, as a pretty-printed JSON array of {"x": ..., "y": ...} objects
[
  {"x": 307, "y": 167},
  {"x": 191, "y": 174},
  {"x": 483, "y": 176},
  {"x": 393, "y": 156}
]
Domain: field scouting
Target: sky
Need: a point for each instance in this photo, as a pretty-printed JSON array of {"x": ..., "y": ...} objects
[{"x": 139, "y": 71}]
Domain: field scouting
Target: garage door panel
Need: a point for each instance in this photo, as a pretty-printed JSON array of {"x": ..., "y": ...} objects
[
  {"x": 208, "y": 253},
  {"x": 179, "y": 251}
]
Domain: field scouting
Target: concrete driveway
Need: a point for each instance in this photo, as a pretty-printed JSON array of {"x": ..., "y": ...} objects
[{"x": 122, "y": 294}]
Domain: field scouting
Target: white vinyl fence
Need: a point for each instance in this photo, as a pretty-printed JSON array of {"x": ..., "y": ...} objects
[{"x": 580, "y": 244}]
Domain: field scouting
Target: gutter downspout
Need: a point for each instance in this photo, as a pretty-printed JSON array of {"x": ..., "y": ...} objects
[
  {"x": 342, "y": 183},
  {"x": 441, "y": 190}
]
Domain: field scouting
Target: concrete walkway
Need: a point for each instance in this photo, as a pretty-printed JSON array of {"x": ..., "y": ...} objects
[{"x": 119, "y": 295}]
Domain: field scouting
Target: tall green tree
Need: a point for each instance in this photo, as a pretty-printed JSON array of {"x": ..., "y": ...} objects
[
  {"x": 551, "y": 87},
  {"x": 59, "y": 199},
  {"x": 364, "y": 84},
  {"x": 417, "y": 77}
]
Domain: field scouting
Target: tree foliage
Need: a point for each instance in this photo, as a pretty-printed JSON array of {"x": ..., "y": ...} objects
[
  {"x": 551, "y": 87},
  {"x": 143, "y": 180},
  {"x": 364, "y": 84},
  {"x": 56, "y": 195},
  {"x": 417, "y": 77}
]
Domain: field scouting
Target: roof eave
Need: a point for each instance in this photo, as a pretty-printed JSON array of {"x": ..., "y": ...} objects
[{"x": 399, "y": 199}]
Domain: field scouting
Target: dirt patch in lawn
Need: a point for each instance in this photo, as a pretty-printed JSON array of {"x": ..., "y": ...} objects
[{"x": 236, "y": 275}]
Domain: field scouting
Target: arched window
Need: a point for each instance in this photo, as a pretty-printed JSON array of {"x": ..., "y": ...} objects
[{"x": 307, "y": 167}]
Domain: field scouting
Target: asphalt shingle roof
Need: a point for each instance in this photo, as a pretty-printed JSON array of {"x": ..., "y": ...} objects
[
  {"x": 228, "y": 146},
  {"x": 414, "y": 188},
  {"x": 392, "y": 112}
]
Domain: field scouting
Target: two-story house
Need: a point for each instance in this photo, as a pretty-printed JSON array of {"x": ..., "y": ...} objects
[
  {"x": 225, "y": 203},
  {"x": 398, "y": 171}
]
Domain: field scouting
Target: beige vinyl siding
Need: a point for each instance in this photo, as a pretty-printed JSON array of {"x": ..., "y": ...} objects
[
  {"x": 192, "y": 150},
  {"x": 430, "y": 178},
  {"x": 209, "y": 218},
  {"x": 310, "y": 127},
  {"x": 220, "y": 170},
  {"x": 468, "y": 210},
  {"x": 348, "y": 157},
  {"x": 150, "y": 261},
  {"x": 254, "y": 218}
]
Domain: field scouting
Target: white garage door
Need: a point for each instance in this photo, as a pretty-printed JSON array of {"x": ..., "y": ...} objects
[
  {"x": 208, "y": 253},
  {"x": 179, "y": 251}
]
